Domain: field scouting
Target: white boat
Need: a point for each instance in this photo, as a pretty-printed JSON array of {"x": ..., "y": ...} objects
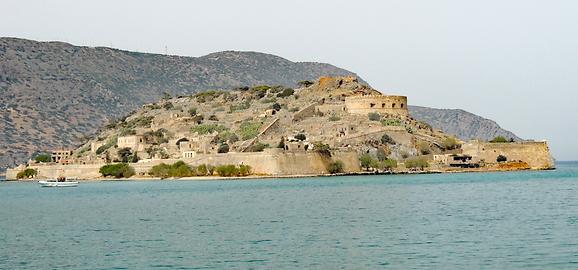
[{"x": 54, "y": 183}]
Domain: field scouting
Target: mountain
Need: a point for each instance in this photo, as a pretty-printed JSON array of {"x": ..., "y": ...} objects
[
  {"x": 463, "y": 124},
  {"x": 54, "y": 94}
]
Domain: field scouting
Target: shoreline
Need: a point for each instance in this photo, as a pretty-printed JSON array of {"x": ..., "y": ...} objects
[{"x": 267, "y": 177}]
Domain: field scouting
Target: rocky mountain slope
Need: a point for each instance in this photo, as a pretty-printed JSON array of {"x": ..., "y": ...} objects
[
  {"x": 53, "y": 94},
  {"x": 463, "y": 124}
]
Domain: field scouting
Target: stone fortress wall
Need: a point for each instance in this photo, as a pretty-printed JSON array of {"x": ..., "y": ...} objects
[
  {"x": 536, "y": 154},
  {"x": 383, "y": 104},
  {"x": 272, "y": 162}
]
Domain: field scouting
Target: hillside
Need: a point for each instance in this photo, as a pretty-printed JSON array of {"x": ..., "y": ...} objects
[
  {"x": 53, "y": 94},
  {"x": 463, "y": 124}
]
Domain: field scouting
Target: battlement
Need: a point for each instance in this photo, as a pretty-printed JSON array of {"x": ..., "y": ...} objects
[{"x": 384, "y": 104}]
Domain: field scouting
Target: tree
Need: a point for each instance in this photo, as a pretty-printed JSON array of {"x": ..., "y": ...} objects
[
  {"x": 43, "y": 158},
  {"x": 501, "y": 158},
  {"x": 28, "y": 173},
  {"x": 416, "y": 163},
  {"x": 336, "y": 167},
  {"x": 424, "y": 148},
  {"x": 499, "y": 139},
  {"x": 450, "y": 143},
  {"x": 120, "y": 170},
  {"x": 386, "y": 139},
  {"x": 366, "y": 161}
]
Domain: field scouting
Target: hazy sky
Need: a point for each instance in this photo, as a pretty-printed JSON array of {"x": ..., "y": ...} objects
[{"x": 513, "y": 61}]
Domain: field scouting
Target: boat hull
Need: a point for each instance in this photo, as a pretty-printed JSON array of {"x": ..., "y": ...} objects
[{"x": 57, "y": 184}]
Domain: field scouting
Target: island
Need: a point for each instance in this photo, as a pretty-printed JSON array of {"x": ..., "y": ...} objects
[{"x": 332, "y": 126}]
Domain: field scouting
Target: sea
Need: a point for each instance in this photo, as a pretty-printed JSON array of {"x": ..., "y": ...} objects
[{"x": 497, "y": 220}]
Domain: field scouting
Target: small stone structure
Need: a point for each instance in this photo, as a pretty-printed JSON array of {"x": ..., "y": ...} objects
[
  {"x": 383, "y": 104},
  {"x": 134, "y": 142}
]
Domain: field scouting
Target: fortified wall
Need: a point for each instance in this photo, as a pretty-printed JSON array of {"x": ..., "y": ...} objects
[
  {"x": 536, "y": 154},
  {"x": 383, "y": 104},
  {"x": 273, "y": 162}
]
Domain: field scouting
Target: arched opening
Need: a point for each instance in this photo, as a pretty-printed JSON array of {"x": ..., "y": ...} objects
[
  {"x": 393, "y": 105},
  {"x": 181, "y": 140},
  {"x": 402, "y": 105},
  {"x": 371, "y": 105},
  {"x": 382, "y": 105}
]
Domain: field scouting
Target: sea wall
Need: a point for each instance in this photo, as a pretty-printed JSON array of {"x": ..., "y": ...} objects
[
  {"x": 270, "y": 162},
  {"x": 536, "y": 154}
]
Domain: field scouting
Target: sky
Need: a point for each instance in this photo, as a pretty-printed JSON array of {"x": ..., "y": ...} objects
[{"x": 515, "y": 62}]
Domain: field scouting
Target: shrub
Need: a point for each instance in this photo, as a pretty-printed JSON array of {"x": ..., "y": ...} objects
[
  {"x": 227, "y": 170},
  {"x": 43, "y": 158},
  {"x": 260, "y": 88},
  {"x": 127, "y": 132},
  {"x": 322, "y": 148},
  {"x": 106, "y": 146},
  {"x": 305, "y": 83},
  {"x": 249, "y": 130},
  {"x": 127, "y": 156},
  {"x": 241, "y": 106},
  {"x": 389, "y": 164},
  {"x": 258, "y": 147},
  {"x": 336, "y": 167},
  {"x": 193, "y": 111},
  {"x": 391, "y": 122},
  {"x": 300, "y": 137},
  {"x": 223, "y": 148},
  {"x": 381, "y": 155},
  {"x": 366, "y": 161},
  {"x": 501, "y": 158},
  {"x": 424, "y": 148},
  {"x": 386, "y": 139},
  {"x": 177, "y": 169},
  {"x": 276, "y": 106},
  {"x": 374, "y": 116},
  {"x": 450, "y": 143},
  {"x": 244, "y": 170},
  {"x": 334, "y": 118},
  {"x": 499, "y": 139},
  {"x": 155, "y": 137},
  {"x": 119, "y": 170},
  {"x": 415, "y": 163},
  {"x": 167, "y": 106},
  {"x": 286, "y": 92},
  {"x": 203, "y": 129},
  {"x": 143, "y": 121},
  {"x": 213, "y": 118},
  {"x": 28, "y": 173},
  {"x": 202, "y": 170}
]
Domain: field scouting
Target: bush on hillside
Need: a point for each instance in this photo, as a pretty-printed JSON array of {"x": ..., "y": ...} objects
[
  {"x": 336, "y": 167},
  {"x": 43, "y": 158},
  {"x": 416, "y": 163},
  {"x": 28, "y": 173},
  {"x": 499, "y": 139}
]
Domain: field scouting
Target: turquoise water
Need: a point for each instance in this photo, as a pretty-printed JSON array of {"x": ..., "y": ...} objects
[{"x": 519, "y": 220}]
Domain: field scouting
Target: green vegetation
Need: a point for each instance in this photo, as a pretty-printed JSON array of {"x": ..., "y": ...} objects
[
  {"x": 450, "y": 143},
  {"x": 168, "y": 106},
  {"x": 304, "y": 83},
  {"x": 336, "y": 167},
  {"x": 111, "y": 142},
  {"x": 143, "y": 121},
  {"x": 258, "y": 147},
  {"x": 28, "y": 173},
  {"x": 374, "y": 116},
  {"x": 206, "y": 96},
  {"x": 286, "y": 92},
  {"x": 391, "y": 122},
  {"x": 127, "y": 132},
  {"x": 119, "y": 170},
  {"x": 232, "y": 170},
  {"x": 177, "y": 169},
  {"x": 43, "y": 158},
  {"x": 268, "y": 100},
  {"x": 223, "y": 148},
  {"x": 501, "y": 158},
  {"x": 499, "y": 139},
  {"x": 276, "y": 106},
  {"x": 213, "y": 118},
  {"x": 241, "y": 106},
  {"x": 203, "y": 129},
  {"x": 367, "y": 161},
  {"x": 416, "y": 163},
  {"x": 260, "y": 88},
  {"x": 300, "y": 137},
  {"x": 386, "y": 139},
  {"x": 334, "y": 118},
  {"x": 322, "y": 148},
  {"x": 193, "y": 111},
  {"x": 156, "y": 137},
  {"x": 127, "y": 156},
  {"x": 424, "y": 148},
  {"x": 249, "y": 130}
]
